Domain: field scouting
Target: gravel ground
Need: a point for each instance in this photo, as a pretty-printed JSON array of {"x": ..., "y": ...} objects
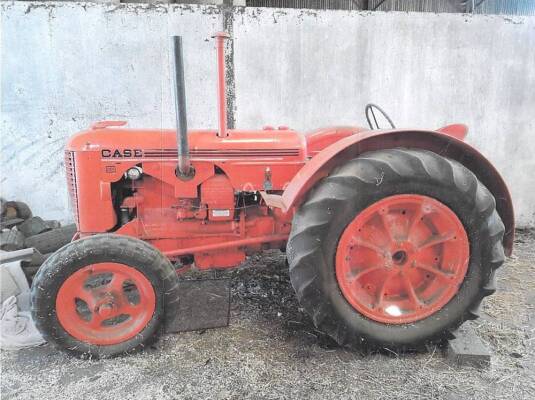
[{"x": 271, "y": 350}]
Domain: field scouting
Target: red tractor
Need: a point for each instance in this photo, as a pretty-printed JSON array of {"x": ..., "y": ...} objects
[{"x": 392, "y": 236}]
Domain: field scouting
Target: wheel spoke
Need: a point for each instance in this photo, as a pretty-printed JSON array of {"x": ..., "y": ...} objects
[
  {"x": 363, "y": 272},
  {"x": 96, "y": 320},
  {"x": 413, "y": 297},
  {"x": 437, "y": 239},
  {"x": 386, "y": 226},
  {"x": 130, "y": 309},
  {"x": 435, "y": 271},
  {"x": 368, "y": 245},
  {"x": 381, "y": 293},
  {"x": 116, "y": 283},
  {"x": 89, "y": 298},
  {"x": 415, "y": 220}
]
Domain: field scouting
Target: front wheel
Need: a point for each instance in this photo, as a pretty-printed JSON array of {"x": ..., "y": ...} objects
[
  {"x": 103, "y": 295},
  {"x": 395, "y": 248}
]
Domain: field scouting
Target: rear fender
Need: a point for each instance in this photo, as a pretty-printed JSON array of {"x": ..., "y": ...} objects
[
  {"x": 319, "y": 139},
  {"x": 458, "y": 131},
  {"x": 442, "y": 143}
]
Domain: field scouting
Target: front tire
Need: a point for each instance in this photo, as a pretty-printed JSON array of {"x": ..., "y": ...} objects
[
  {"x": 340, "y": 231},
  {"x": 103, "y": 295}
]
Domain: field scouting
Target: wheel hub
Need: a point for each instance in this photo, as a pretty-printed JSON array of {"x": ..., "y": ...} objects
[
  {"x": 402, "y": 259},
  {"x": 106, "y": 310},
  {"x": 105, "y": 303},
  {"x": 399, "y": 257}
]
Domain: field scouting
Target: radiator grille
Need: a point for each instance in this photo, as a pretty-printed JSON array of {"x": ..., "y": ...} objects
[{"x": 70, "y": 173}]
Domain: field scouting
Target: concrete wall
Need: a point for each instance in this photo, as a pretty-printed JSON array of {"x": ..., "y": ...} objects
[{"x": 65, "y": 65}]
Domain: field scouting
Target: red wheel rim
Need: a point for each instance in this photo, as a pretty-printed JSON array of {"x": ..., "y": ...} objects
[
  {"x": 402, "y": 259},
  {"x": 105, "y": 303}
]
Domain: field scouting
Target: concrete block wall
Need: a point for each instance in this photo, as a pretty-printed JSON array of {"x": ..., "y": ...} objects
[{"x": 65, "y": 65}]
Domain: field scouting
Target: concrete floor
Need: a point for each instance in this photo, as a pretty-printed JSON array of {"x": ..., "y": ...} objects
[{"x": 271, "y": 351}]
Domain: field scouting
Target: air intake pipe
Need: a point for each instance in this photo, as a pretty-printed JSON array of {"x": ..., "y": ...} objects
[
  {"x": 220, "y": 38},
  {"x": 184, "y": 169}
]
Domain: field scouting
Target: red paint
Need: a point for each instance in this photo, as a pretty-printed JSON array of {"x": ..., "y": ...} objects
[
  {"x": 170, "y": 213},
  {"x": 458, "y": 131},
  {"x": 319, "y": 139},
  {"x": 235, "y": 243},
  {"x": 86, "y": 312},
  {"x": 106, "y": 124},
  {"x": 243, "y": 156},
  {"x": 402, "y": 259},
  {"x": 217, "y": 196},
  {"x": 445, "y": 145},
  {"x": 217, "y": 216}
]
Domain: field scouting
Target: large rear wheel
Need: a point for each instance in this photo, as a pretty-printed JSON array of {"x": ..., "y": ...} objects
[
  {"x": 103, "y": 295},
  {"x": 395, "y": 248}
]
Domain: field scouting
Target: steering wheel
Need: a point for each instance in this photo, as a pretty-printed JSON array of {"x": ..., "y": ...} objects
[{"x": 370, "y": 109}]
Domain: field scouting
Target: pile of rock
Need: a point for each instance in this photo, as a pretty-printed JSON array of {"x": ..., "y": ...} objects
[{"x": 21, "y": 230}]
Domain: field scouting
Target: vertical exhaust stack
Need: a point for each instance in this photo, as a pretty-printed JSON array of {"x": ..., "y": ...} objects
[
  {"x": 184, "y": 169},
  {"x": 221, "y": 84}
]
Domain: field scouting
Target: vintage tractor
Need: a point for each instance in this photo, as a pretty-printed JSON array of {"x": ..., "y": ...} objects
[{"x": 392, "y": 236}]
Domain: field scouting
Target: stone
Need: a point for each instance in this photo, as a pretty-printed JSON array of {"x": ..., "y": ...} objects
[{"x": 467, "y": 349}]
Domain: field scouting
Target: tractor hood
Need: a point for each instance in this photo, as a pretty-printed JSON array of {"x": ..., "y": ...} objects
[{"x": 121, "y": 143}]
